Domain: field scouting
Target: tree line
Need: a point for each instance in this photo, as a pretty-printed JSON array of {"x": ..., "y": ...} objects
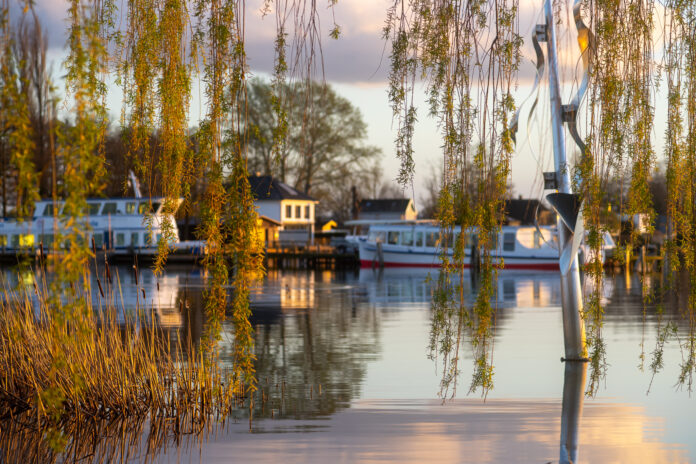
[{"x": 324, "y": 153}]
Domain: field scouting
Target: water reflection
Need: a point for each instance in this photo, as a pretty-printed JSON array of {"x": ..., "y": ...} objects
[
  {"x": 320, "y": 335},
  {"x": 573, "y": 395}
]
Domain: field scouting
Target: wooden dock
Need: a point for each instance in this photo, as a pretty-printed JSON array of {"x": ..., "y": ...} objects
[{"x": 309, "y": 257}]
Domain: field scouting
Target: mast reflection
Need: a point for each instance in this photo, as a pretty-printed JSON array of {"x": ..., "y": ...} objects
[{"x": 573, "y": 395}]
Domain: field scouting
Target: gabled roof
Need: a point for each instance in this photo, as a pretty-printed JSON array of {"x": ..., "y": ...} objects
[
  {"x": 268, "y": 188},
  {"x": 384, "y": 205}
]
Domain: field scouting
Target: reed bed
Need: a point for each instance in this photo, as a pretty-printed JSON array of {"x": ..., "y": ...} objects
[{"x": 64, "y": 362}]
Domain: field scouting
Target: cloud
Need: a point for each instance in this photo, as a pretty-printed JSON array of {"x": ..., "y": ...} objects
[{"x": 359, "y": 56}]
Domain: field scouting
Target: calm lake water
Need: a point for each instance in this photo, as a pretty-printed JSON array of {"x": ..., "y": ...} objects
[{"x": 342, "y": 359}]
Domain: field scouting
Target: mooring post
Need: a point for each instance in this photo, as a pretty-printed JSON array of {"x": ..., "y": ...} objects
[{"x": 571, "y": 292}]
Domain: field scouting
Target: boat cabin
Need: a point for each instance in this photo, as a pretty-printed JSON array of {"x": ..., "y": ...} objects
[{"x": 124, "y": 224}]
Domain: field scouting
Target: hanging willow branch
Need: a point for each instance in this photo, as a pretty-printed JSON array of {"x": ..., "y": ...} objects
[
  {"x": 620, "y": 123},
  {"x": 15, "y": 124},
  {"x": 468, "y": 53}
]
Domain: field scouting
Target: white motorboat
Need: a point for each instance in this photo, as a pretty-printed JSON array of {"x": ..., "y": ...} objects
[
  {"x": 128, "y": 226},
  {"x": 420, "y": 244}
]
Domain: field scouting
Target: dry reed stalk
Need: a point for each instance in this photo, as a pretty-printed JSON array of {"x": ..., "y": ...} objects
[{"x": 62, "y": 371}]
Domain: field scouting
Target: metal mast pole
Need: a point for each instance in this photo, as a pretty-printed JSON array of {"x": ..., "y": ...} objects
[{"x": 571, "y": 292}]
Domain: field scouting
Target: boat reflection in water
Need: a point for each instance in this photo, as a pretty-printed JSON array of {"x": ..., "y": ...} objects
[{"x": 345, "y": 355}]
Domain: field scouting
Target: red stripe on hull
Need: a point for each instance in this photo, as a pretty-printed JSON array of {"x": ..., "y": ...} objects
[{"x": 538, "y": 266}]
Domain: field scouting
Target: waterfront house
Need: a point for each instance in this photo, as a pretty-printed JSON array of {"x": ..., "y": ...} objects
[
  {"x": 387, "y": 209},
  {"x": 292, "y": 211}
]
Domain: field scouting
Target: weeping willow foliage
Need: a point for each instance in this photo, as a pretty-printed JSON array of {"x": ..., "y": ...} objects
[
  {"x": 137, "y": 75},
  {"x": 228, "y": 219},
  {"x": 82, "y": 157},
  {"x": 15, "y": 122},
  {"x": 174, "y": 92},
  {"x": 84, "y": 171},
  {"x": 680, "y": 148},
  {"x": 621, "y": 114},
  {"x": 468, "y": 54}
]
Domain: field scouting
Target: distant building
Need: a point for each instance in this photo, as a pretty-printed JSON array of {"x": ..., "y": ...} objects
[
  {"x": 387, "y": 209},
  {"x": 291, "y": 210}
]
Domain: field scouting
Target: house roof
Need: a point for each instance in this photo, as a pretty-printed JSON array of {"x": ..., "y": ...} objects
[
  {"x": 384, "y": 205},
  {"x": 268, "y": 188}
]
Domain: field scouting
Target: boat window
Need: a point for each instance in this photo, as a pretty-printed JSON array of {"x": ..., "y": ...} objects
[
  {"x": 288, "y": 211},
  {"x": 509, "y": 241},
  {"x": 3, "y": 240},
  {"x": 407, "y": 238},
  {"x": 148, "y": 238},
  {"x": 431, "y": 238},
  {"x": 46, "y": 240},
  {"x": 48, "y": 210},
  {"x": 393, "y": 237},
  {"x": 109, "y": 208},
  {"x": 93, "y": 208},
  {"x": 134, "y": 239},
  {"x": 493, "y": 240},
  {"x": 419, "y": 239},
  {"x": 98, "y": 240},
  {"x": 130, "y": 207},
  {"x": 306, "y": 212},
  {"x": 22, "y": 240},
  {"x": 120, "y": 239},
  {"x": 145, "y": 208},
  {"x": 298, "y": 212},
  {"x": 159, "y": 238},
  {"x": 446, "y": 239}
]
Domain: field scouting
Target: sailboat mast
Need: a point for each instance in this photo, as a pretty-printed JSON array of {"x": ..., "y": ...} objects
[
  {"x": 571, "y": 291},
  {"x": 559, "y": 152}
]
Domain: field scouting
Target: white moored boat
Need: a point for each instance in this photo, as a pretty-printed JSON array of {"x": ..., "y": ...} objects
[
  {"x": 420, "y": 245},
  {"x": 117, "y": 225}
]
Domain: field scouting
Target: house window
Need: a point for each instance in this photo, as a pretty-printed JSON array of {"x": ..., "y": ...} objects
[
  {"x": 306, "y": 212},
  {"x": 109, "y": 208},
  {"x": 288, "y": 211},
  {"x": 509, "y": 241},
  {"x": 298, "y": 212}
]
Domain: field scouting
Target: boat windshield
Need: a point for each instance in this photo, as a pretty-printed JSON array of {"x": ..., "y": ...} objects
[{"x": 145, "y": 207}]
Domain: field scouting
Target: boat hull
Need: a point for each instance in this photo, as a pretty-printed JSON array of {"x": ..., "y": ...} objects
[{"x": 396, "y": 256}]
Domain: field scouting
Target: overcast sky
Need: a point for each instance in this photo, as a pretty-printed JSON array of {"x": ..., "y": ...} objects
[{"x": 357, "y": 65}]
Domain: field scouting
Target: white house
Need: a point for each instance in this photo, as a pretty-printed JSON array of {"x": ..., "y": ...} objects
[
  {"x": 294, "y": 210},
  {"x": 392, "y": 209}
]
